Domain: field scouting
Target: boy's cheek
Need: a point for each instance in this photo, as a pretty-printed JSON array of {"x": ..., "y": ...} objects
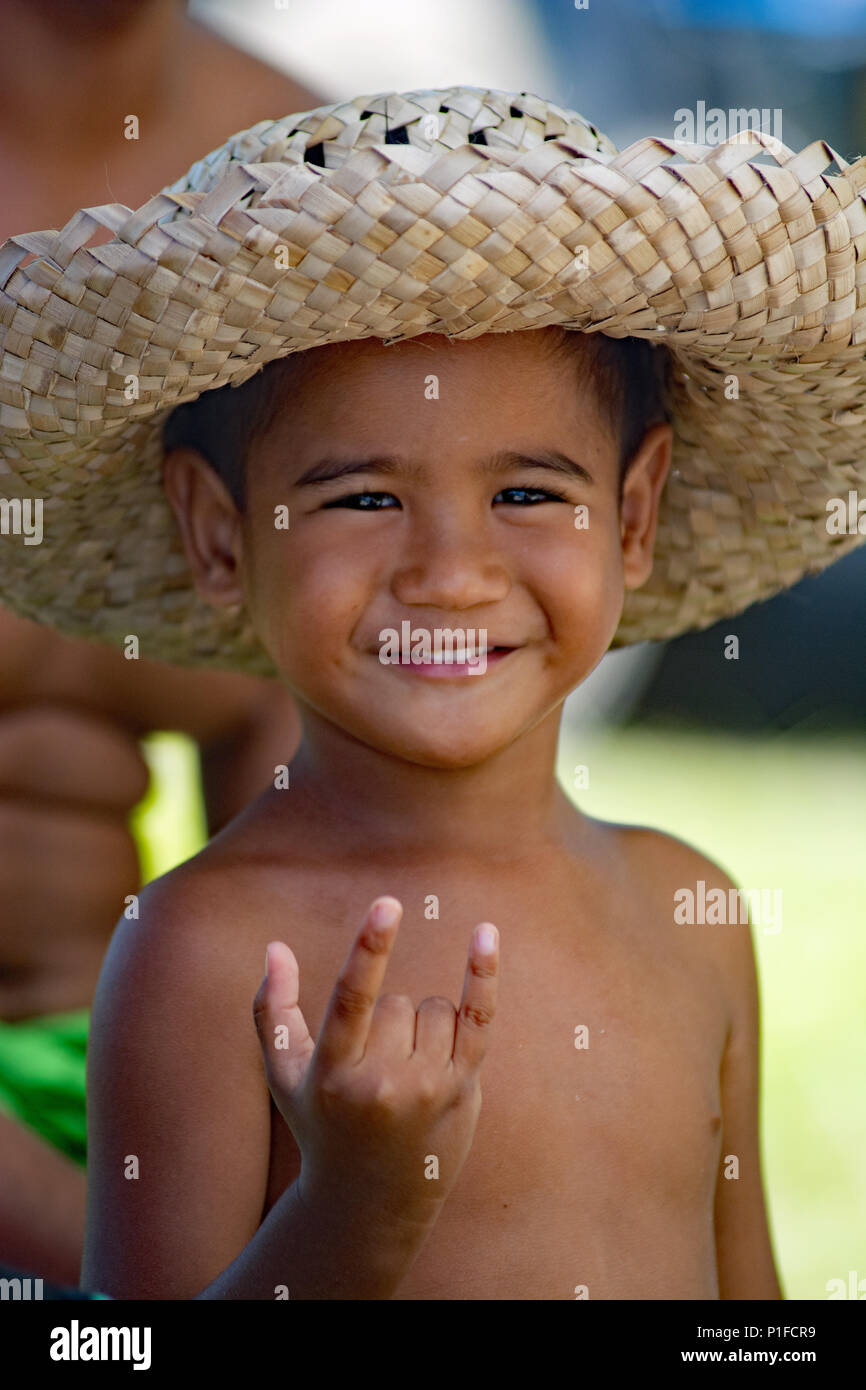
[
  {"x": 585, "y": 574},
  {"x": 305, "y": 617},
  {"x": 585, "y": 614}
]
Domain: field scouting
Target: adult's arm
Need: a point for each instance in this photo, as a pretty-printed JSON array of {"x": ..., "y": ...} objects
[{"x": 41, "y": 1205}]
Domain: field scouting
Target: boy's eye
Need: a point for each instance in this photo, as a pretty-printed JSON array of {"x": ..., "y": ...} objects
[
  {"x": 512, "y": 496},
  {"x": 364, "y": 501},
  {"x": 527, "y": 496}
]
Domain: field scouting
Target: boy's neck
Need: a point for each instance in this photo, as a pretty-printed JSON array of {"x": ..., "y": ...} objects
[{"x": 506, "y": 806}]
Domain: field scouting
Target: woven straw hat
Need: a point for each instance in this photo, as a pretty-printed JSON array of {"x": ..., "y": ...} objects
[{"x": 461, "y": 211}]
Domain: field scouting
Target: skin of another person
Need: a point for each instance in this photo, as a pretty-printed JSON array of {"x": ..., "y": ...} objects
[
  {"x": 597, "y": 1169},
  {"x": 71, "y": 713}
]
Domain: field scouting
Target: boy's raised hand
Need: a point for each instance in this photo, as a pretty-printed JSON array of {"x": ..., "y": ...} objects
[{"x": 385, "y": 1089}]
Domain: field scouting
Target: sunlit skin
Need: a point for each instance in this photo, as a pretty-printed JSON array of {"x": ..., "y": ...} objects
[
  {"x": 599, "y": 1169},
  {"x": 448, "y": 537}
]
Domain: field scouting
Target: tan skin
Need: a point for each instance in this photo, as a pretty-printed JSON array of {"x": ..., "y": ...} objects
[
  {"x": 600, "y": 1167},
  {"x": 71, "y": 713}
]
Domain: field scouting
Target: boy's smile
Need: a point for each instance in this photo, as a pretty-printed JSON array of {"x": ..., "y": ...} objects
[{"x": 437, "y": 484}]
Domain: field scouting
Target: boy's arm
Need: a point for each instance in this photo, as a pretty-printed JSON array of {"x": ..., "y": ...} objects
[
  {"x": 178, "y": 1108},
  {"x": 744, "y": 1253}
]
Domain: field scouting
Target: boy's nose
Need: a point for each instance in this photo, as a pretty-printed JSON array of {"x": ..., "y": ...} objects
[{"x": 451, "y": 573}]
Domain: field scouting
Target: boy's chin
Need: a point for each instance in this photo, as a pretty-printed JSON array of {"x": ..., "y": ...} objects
[{"x": 452, "y": 754}]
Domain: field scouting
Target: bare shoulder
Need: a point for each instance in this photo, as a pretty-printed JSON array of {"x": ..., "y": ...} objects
[
  {"x": 210, "y": 918},
  {"x": 661, "y": 857},
  {"x": 202, "y": 911},
  {"x": 683, "y": 881},
  {"x": 174, "y": 952}
]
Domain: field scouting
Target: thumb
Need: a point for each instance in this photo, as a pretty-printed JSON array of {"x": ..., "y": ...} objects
[{"x": 283, "y": 1033}]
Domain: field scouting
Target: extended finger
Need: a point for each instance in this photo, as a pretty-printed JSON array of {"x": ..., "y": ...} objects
[
  {"x": 344, "y": 1030},
  {"x": 283, "y": 1033},
  {"x": 478, "y": 1004}
]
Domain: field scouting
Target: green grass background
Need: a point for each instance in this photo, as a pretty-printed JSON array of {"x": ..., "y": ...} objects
[{"x": 787, "y": 812}]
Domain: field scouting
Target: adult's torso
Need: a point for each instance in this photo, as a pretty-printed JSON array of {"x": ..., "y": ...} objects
[{"x": 72, "y": 713}]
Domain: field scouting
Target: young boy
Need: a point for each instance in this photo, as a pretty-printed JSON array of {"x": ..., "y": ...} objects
[
  {"x": 596, "y": 1170},
  {"x": 412, "y": 467}
]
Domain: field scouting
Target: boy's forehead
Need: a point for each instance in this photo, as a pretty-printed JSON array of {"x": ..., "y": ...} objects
[
  {"x": 507, "y": 389},
  {"x": 371, "y": 396},
  {"x": 429, "y": 352},
  {"x": 513, "y": 368}
]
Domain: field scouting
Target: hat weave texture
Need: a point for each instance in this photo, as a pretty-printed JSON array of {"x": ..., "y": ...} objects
[{"x": 460, "y": 211}]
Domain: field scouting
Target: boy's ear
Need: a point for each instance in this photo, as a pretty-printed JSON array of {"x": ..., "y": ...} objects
[
  {"x": 209, "y": 525},
  {"x": 641, "y": 494}
]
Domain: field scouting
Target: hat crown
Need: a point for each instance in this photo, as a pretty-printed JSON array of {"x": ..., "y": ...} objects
[
  {"x": 460, "y": 211},
  {"x": 434, "y": 120}
]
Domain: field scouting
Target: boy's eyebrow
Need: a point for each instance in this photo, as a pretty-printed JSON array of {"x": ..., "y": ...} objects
[
  {"x": 550, "y": 459},
  {"x": 325, "y": 470}
]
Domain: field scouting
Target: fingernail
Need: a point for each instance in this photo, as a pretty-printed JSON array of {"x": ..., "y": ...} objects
[
  {"x": 267, "y": 953},
  {"x": 487, "y": 937},
  {"x": 385, "y": 912}
]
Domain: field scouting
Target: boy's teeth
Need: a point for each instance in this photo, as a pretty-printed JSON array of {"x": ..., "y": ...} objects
[{"x": 441, "y": 659}]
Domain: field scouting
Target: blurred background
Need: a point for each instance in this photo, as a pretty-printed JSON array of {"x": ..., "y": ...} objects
[{"x": 760, "y": 762}]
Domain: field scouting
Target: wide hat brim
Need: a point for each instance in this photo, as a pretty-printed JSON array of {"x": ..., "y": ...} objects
[{"x": 462, "y": 211}]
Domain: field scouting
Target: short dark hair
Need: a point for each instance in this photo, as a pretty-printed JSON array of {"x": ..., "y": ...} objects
[
  {"x": 631, "y": 381},
  {"x": 630, "y": 378}
]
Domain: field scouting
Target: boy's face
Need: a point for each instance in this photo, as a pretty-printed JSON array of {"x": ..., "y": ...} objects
[{"x": 415, "y": 481}]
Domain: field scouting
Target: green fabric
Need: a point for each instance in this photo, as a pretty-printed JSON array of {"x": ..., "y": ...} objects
[
  {"x": 42, "y": 1070},
  {"x": 43, "y": 1060}
]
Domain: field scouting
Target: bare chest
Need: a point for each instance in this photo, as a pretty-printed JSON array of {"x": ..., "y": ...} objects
[{"x": 595, "y": 1156}]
